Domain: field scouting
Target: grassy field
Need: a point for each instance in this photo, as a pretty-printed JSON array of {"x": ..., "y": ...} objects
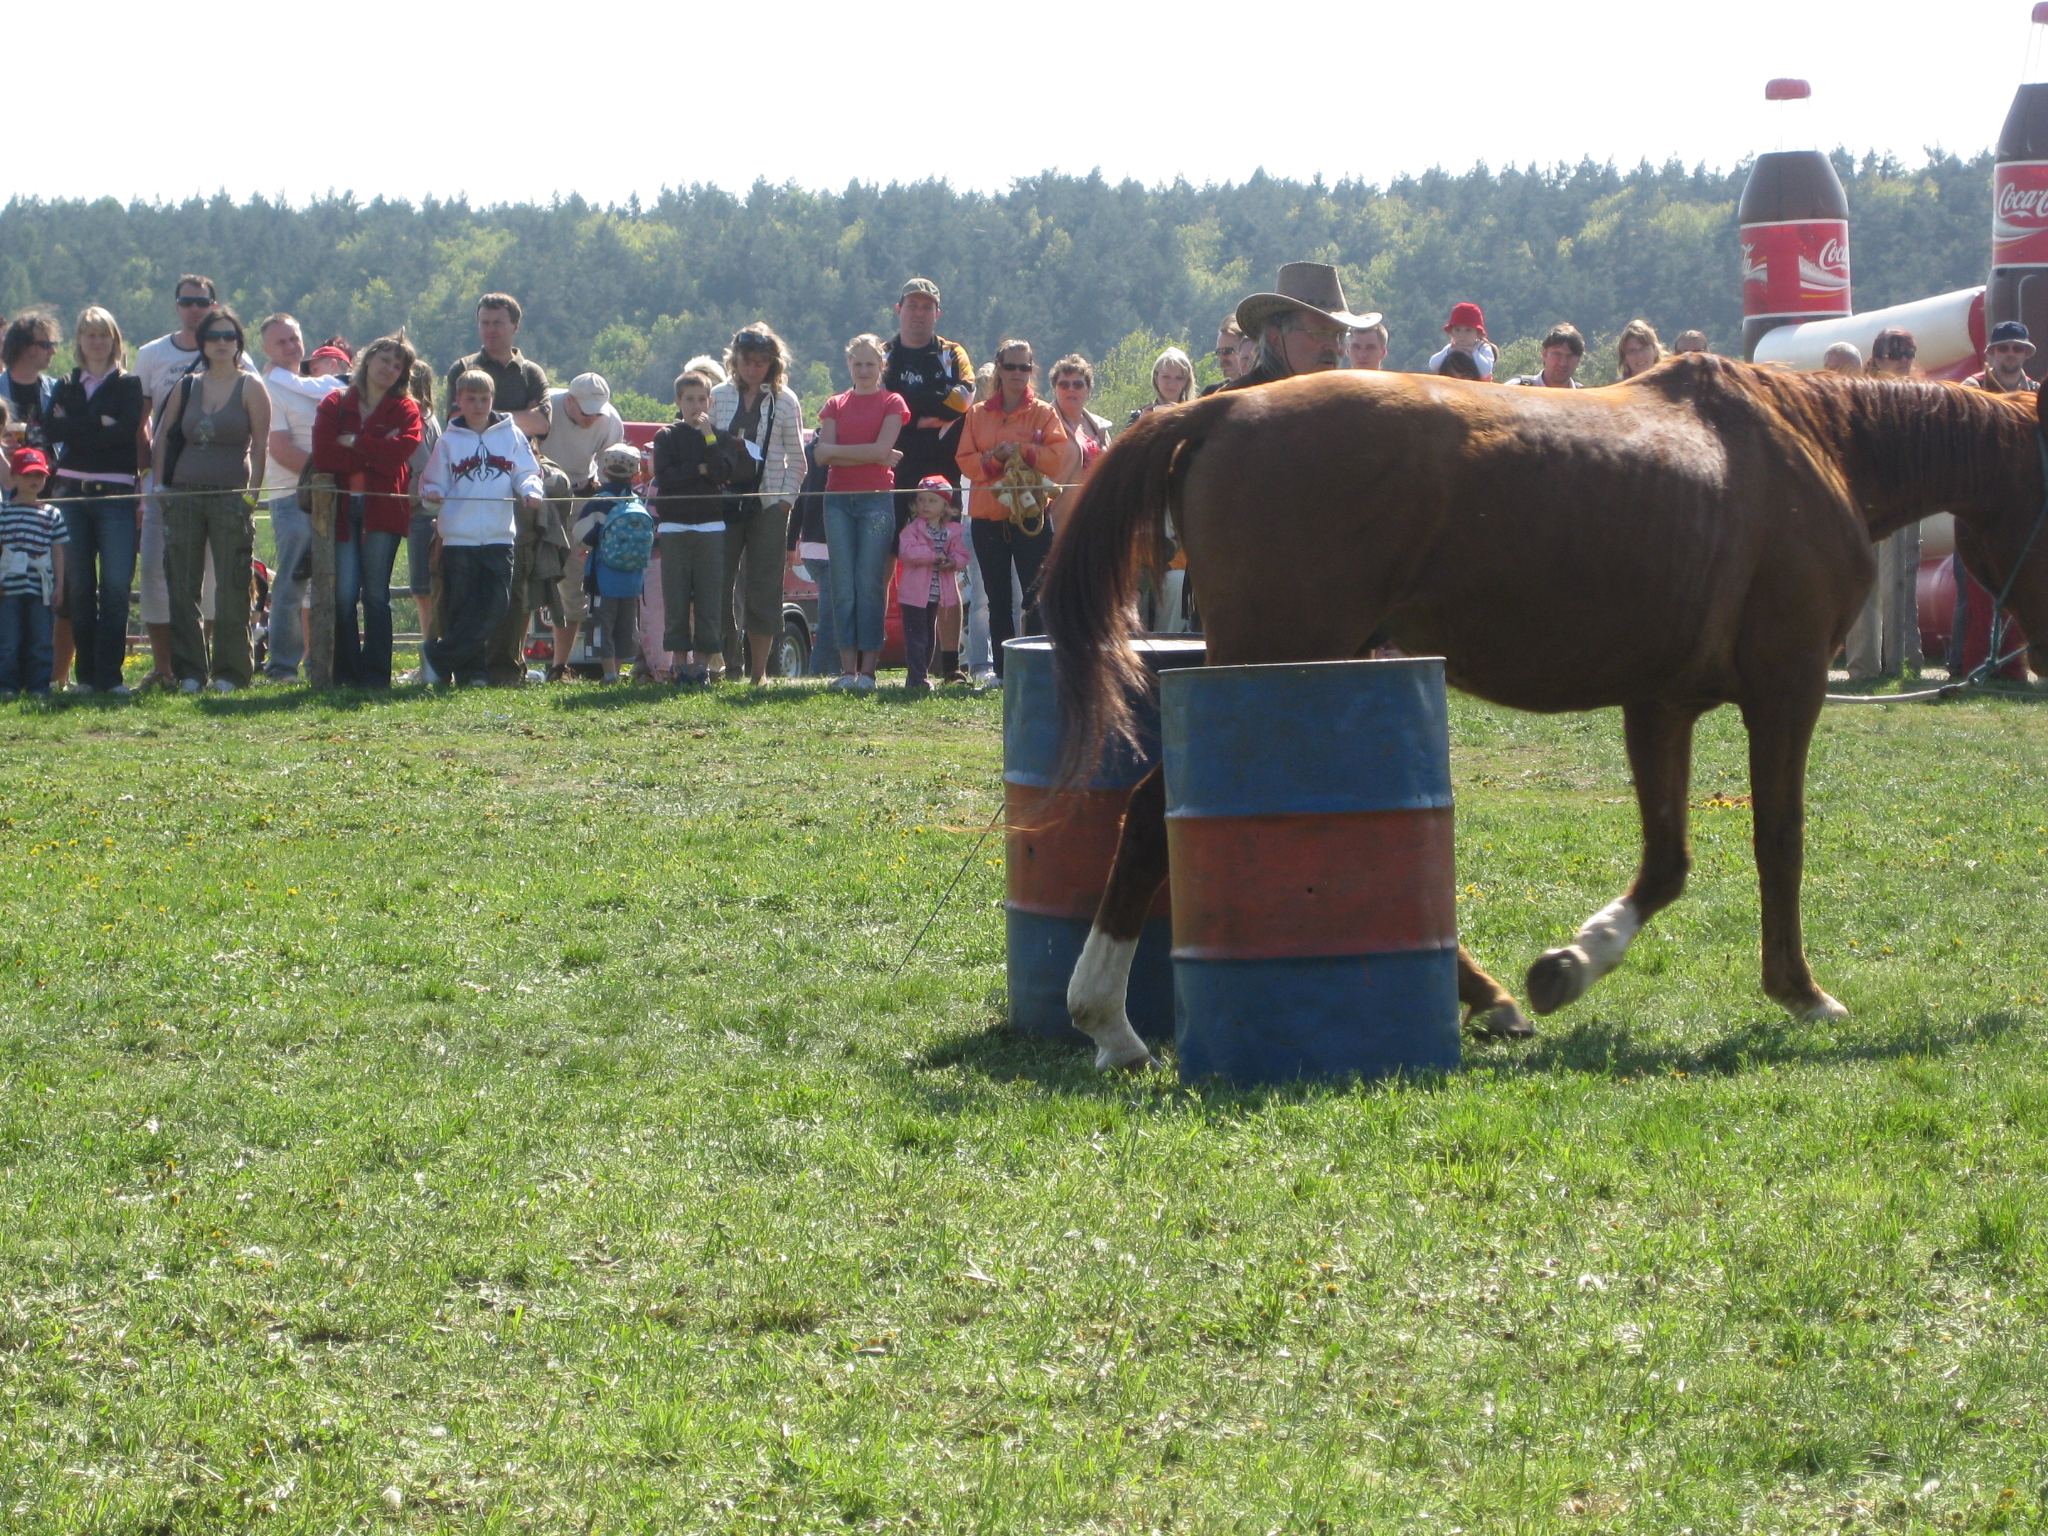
[{"x": 501, "y": 1113}]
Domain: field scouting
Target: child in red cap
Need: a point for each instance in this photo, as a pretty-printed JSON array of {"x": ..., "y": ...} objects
[
  {"x": 32, "y": 539},
  {"x": 930, "y": 555},
  {"x": 1467, "y": 330}
]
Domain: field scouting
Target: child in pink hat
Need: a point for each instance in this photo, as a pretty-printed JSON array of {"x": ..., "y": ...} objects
[{"x": 1467, "y": 330}]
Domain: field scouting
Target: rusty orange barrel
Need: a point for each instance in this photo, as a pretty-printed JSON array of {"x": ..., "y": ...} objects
[
  {"x": 1062, "y": 842},
  {"x": 1308, "y": 825}
]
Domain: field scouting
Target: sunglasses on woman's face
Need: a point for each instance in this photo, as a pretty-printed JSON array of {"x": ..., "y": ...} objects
[
  {"x": 1070, "y": 384},
  {"x": 218, "y": 336},
  {"x": 1016, "y": 367}
]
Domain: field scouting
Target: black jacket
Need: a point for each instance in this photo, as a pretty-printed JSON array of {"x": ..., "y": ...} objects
[
  {"x": 96, "y": 436},
  {"x": 687, "y": 464}
]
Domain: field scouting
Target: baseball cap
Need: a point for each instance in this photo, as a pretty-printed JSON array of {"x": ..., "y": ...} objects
[
  {"x": 923, "y": 285},
  {"x": 29, "y": 461},
  {"x": 620, "y": 458},
  {"x": 333, "y": 352},
  {"x": 590, "y": 392},
  {"x": 941, "y": 485}
]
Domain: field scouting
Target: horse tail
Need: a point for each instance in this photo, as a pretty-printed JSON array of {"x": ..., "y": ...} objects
[{"x": 1088, "y": 594}]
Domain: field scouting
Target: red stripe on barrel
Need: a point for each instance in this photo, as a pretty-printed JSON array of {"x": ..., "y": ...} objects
[
  {"x": 1300, "y": 886},
  {"x": 1061, "y": 848}
]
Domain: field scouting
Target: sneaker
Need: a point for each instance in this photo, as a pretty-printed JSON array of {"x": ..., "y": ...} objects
[
  {"x": 8, "y": 695},
  {"x": 121, "y": 691},
  {"x": 863, "y": 684},
  {"x": 993, "y": 683},
  {"x": 81, "y": 688},
  {"x": 846, "y": 682},
  {"x": 191, "y": 685},
  {"x": 223, "y": 685}
]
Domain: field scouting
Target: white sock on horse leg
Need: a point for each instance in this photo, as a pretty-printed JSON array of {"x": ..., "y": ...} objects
[
  {"x": 1095, "y": 998},
  {"x": 1607, "y": 934}
]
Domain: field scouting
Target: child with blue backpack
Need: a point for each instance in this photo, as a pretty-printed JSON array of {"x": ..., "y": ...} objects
[{"x": 618, "y": 530}]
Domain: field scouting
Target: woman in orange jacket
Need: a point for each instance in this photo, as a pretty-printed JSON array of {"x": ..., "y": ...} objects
[{"x": 1011, "y": 427}]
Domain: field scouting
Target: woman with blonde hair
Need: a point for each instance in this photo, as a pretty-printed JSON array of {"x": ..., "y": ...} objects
[
  {"x": 857, "y": 434},
  {"x": 1173, "y": 382},
  {"x": 1639, "y": 349},
  {"x": 762, "y": 421},
  {"x": 94, "y": 420}
]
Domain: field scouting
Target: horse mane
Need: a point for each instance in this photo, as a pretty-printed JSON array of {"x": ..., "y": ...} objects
[{"x": 1898, "y": 443}]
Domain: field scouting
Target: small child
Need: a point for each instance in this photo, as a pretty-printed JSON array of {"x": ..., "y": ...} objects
[
  {"x": 691, "y": 466},
  {"x": 32, "y": 539},
  {"x": 931, "y": 552},
  {"x": 1467, "y": 330},
  {"x": 480, "y": 466},
  {"x": 615, "y": 573}
]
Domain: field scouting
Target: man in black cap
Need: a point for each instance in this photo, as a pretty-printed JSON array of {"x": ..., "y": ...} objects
[
  {"x": 1301, "y": 326},
  {"x": 935, "y": 377},
  {"x": 2005, "y": 361}
]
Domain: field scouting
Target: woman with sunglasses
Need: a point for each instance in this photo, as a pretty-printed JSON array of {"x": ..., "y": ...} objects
[
  {"x": 208, "y": 459},
  {"x": 365, "y": 436},
  {"x": 1011, "y": 426},
  {"x": 95, "y": 418},
  {"x": 762, "y": 421},
  {"x": 30, "y": 343},
  {"x": 1073, "y": 382}
]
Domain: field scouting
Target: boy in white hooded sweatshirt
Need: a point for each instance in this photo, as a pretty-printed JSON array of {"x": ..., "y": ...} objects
[{"x": 479, "y": 468}]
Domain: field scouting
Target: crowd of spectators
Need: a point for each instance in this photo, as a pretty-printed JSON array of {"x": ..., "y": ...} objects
[{"x": 520, "y": 501}]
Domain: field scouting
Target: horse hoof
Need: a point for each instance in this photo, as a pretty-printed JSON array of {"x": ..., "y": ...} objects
[
  {"x": 1118, "y": 1048},
  {"x": 1145, "y": 1063},
  {"x": 1561, "y": 976},
  {"x": 1824, "y": 1010},
  {"x": 1503, "y": 1021}
]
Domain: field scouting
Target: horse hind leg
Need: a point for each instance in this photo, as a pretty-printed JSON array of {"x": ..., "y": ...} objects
[
  {"x": 1490, "y": 1012},
  {"x": 1780, "y": 731},
  {"x": 1659, "y": 741},
  {"x": 1101, "y": 979}
]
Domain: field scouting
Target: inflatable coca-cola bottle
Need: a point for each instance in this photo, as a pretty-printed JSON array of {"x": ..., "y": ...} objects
[
  {"x": 2019, "y": 205},
  {"x": 1795, "y": 230}
]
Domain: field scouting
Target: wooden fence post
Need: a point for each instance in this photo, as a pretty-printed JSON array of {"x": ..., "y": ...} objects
[{"x": 320, "y": 642}]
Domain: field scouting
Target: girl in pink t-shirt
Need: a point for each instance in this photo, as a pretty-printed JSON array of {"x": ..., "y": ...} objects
[{"x": 857, "y": 444}]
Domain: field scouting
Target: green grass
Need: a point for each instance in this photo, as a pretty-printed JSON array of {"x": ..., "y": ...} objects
[{"x": 507, "y": 1101}]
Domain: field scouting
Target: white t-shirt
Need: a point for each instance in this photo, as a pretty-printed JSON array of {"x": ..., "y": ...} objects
[
  {"x": 294, "y": 401},
  {"x": 576, "y": 448},
  {"x": 159, "y": 363}
]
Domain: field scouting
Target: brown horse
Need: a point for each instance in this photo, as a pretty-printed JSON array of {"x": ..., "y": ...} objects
[{"x": 1700, "y": 535}]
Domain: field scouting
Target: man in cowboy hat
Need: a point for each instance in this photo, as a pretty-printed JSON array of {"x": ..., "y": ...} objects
[
  {"x": 2005, "y": 358},
  {"x": 1301, "y": 326}
]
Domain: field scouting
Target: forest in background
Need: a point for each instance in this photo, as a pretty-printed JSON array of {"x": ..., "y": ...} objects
[{"x": 1111, "y": 270}]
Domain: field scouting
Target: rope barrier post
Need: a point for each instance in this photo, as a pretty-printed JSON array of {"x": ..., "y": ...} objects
[{"x": 320, "y": 641}]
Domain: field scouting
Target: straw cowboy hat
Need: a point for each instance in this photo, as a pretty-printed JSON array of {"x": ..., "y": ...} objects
[{"x": 1310, "y": 285}]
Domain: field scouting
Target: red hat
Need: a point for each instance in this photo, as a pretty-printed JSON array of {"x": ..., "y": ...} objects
[
  {"x": 1466, "y": 314},
  {"x": 29, "y": 461},
  {"x": 940, "y": 485},
  {"x": 334, "y": 352}
]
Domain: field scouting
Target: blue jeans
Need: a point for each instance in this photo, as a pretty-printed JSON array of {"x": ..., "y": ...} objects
[
  {"x": 362, "y": 574},
  {"x": 860, "y": 531},
  {"x": 99, "y": 568},
  {"x": 825, "y": 643},
  {"x": 27, "y": 648},
  {"x": 293, "y": 532}
]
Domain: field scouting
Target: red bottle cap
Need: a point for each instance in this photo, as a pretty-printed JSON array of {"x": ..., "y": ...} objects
[{"x": 1799, "y": 90}]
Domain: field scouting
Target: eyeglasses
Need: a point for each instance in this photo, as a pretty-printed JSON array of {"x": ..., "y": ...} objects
[
  {"x": 754, "y": 339},
  {"x": 47, "y": 346},
  {"x": 218, "y": 336},
  {"x": 1015, "y": 367},
  {"x": 1898, "y": 355},
  {"x": 194, "y": 301},
  {"x": 1069, "y": 383}
]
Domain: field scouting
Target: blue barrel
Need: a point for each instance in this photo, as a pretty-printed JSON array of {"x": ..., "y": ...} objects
[
  {"x": 1061, "y": 844},
  {"x": 1309, "y": 827}
]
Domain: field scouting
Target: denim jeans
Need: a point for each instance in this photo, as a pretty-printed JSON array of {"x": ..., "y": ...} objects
[
  {"x": 293, "y": 532},
  {"x": 860, "y": 531},
  {"x": 27, "y": 644},
  {"x": 476, "y": 593},
  {"x": 999, "y": 548},
  {"x": 99, "y": 568},
  {"x": 362, "y": 574}
]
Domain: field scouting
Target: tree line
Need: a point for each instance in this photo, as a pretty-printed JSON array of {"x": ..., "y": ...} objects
[{"x": 1072, "y": 263}]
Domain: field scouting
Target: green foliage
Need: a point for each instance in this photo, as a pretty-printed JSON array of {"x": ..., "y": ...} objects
[
  {"x": 1073, "y": 263},
  {"x": 634, "y": 406}
]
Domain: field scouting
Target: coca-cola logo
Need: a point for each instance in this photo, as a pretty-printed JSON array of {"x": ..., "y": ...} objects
[
  {"x": 2016, "y": 202},
  {"x": 1833, "y": 257}
]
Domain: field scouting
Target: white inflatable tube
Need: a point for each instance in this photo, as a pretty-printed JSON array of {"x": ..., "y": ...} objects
[{"x": 1948, "y": 328}]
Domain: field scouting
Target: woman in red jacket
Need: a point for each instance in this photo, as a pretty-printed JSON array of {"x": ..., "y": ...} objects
[
  {"x": 364, "y": 436},
  {"x": 1011, "y": 428}
]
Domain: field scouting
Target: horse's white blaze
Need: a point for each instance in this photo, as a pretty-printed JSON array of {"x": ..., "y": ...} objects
[
  {"x": 1606, "y": 936},
  {"x": 1095, "y": 997}
]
